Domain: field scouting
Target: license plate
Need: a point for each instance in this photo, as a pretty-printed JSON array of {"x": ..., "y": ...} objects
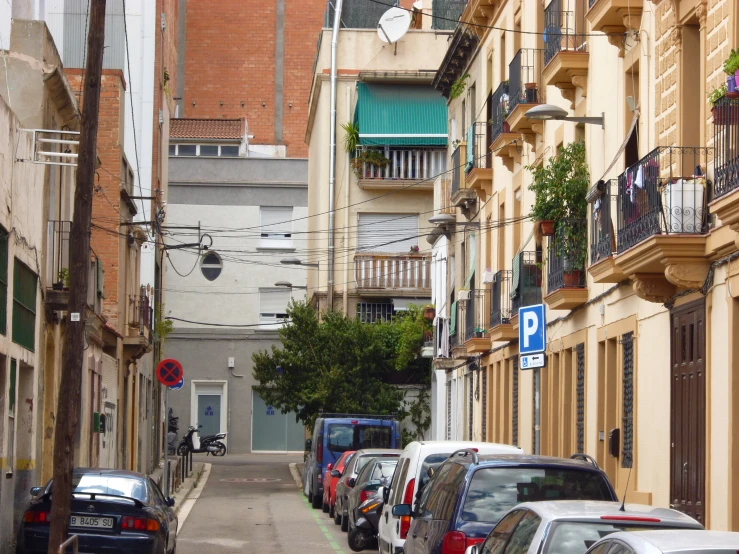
[{"x": 92, "y": 522}]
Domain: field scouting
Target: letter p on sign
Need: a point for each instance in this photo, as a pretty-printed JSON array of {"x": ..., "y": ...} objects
[{"x": 532, "y": 329}]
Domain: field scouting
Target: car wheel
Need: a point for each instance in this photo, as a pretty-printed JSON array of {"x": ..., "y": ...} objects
[
  {"x": 331, "y": 511},
  {"x": 325, "y": 506},
  {"x": 337, "y": 515},
  {"x": 317, "y": 501},
  {"x": 344, "y": 523}
]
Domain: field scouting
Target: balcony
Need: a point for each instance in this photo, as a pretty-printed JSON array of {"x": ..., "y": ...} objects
[
  {"x": 462, "y": 195},
  {"x": 501, "y": 314},
  {"x": 602, "y": 267},
  {"x": 566, "y": 279},
  {"x": 444, "y": 188},
  {"x": 526, "y": 278},
  {"x": 502, "y": 141},
  {"x": 445, "y": 13},
  {"x": 382, "y": 274},
  {"x": 480, "y": 167},
  {"x": 140, "y": 318},
  {"x": 475, "y": 340},
  {"x": 462, "y": 47},
  {"x": 723, "y": 195},
  {"x": 566, "y": 50},
  {"x": 57, "y": 273},
  {"x": 405, "y": 167},
  {"x": 662, "y": 219},
  {"x": 525, "y": 90},
  {"x": 614, "y": 16}
]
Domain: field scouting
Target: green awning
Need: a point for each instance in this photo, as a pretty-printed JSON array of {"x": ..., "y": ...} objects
[{"x": 400, "y": 115}]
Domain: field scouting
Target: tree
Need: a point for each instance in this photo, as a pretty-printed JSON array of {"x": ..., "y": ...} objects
[{"x": 339, "y": 364}]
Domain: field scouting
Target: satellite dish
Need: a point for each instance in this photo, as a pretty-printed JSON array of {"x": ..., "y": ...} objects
[{"x": 393, "y": 25}]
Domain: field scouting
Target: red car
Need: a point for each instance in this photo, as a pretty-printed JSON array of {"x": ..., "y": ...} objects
[{"x": 330, "y": 478}]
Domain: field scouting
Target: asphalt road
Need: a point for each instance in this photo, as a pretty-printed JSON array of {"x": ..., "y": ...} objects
[{"x": 250, "y": 503}]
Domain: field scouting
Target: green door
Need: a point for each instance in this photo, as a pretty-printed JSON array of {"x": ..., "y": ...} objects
[{"x": 274, "y": 431}]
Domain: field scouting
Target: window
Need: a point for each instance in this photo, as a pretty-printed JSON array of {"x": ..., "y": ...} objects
[
  {"x": 273, "y": 305},
  {"x": 523, "y": 536},
  {"x": 229, "y": 151},
  {"x": 3, "y": 281},
  {"x": 208, "y": 150},
  {"x": 172, "y": 149},
  {"x": 187, "y": 150},
  {"x": 576, "y": 537},
  {"x": 369, "y": 312},
  {"x": 24, "y": 305},
  {"x": 498, "y": 537},
  {"x": 276, "y": 227},
  {"x": 211, "y": 266},
  {"x": 397, "y": 487},
  {"x": 205, "y": 150},
  {"x": 444, "y": 492},
  {"x": 342, "y": 437},
  {"x": 393, "y": 233}
]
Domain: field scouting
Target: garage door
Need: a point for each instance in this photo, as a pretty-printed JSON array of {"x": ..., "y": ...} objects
[{"x": 273, "y": 431}]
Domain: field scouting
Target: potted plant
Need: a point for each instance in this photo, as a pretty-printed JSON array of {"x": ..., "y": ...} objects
[
  {"x": 571, "y": 245},
  {"x": 429, "y": 312},
  {"x": 351, "y": 138},
  {"x": 731, "y": 68},
  {"x": 414, "y": 249},
  {"x": 62, "y": 280},
  {"x": 371, "y": 158}
]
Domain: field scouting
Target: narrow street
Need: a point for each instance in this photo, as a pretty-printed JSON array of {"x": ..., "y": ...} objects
[{"x": 251, "y": 503}]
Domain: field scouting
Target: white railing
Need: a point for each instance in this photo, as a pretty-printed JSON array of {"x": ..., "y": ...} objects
[
  {"x": 387, "y": 271},
  {"x": 407, "y": 163}
]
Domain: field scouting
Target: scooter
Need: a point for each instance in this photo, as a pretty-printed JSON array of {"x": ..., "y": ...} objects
[
  {"x": 210, "y": 445},
  {"x": 366, "y": 528}
]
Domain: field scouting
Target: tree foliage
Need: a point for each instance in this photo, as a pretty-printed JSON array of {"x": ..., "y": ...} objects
[{"x": 339, "y": 364}]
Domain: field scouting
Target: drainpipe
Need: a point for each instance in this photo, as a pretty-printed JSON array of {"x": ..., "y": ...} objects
[
  {"x": 346, "y": 211},
  {"x": 332, "y": 157}
]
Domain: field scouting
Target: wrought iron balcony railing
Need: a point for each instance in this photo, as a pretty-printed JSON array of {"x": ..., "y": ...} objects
[
  {"x": 481, "y": 156},
  {"x": 602, "y": 232},
  {"x": 500, "y": 301},
  {"x": 566, "y": 256},
  {"x": 392, "y": 271},
  {"x": 564, "y": 27},
  {"x": 475, "y": 313},
  {"x": 406, "y": 163},
  {"x": 58, "y": 254},
  {"x": 524, "y": 78},
  {"x": 726, "y": 144},
  {"x": 526, "y": 277},
  {"x": 140, "y": 313},
  {"x": 663, "y": 193},
  {"x": 500, "y": 110}
]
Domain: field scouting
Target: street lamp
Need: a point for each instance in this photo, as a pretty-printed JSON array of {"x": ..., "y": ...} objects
[
  {"x": 544, "y": 112},
  {"x": 289, "y": 285},
  {"x": 295, "y": 261}
]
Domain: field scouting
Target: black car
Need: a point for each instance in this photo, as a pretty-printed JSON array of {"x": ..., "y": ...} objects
[
  {"x": 376, "y": 473},
  {"x": 468, "y": 494},
  {"x": 112, "y": 511}
]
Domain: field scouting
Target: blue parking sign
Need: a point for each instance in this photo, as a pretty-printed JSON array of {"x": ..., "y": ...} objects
[{"x": 532, "y": 329}]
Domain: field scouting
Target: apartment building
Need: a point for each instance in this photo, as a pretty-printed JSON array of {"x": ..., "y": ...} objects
[
  {"x": 637, "y": 277},
  {"x": 372, "y": 258}
]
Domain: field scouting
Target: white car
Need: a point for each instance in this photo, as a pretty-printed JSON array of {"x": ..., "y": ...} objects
[
  {"x": 413, "y": 470},
  {"x": 668, "y": 542},
  {"x": 573, "y": 526}
]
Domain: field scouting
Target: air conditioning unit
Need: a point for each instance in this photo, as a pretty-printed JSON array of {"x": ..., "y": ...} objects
[
  {"x": 488, "y": 276},
  {"x": 464, "y": 295}
]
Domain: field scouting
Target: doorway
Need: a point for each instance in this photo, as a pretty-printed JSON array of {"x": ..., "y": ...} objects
[{"x": 688, "y": 410}]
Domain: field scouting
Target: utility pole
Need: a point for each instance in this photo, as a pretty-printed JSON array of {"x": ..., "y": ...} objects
[{"x": 68, "y": 406}]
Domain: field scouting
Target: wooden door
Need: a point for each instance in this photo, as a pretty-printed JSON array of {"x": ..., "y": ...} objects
[{"x": 688, "y": 410}]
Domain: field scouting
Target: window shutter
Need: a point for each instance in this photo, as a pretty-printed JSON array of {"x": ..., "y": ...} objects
[
  {"x": 276, "y": 227},
  {"x": 393, "y": 233},
  {"x": 273, "y": 302}
]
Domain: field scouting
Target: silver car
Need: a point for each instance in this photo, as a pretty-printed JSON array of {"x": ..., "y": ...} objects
[
  {"x": 668, "y": 542},
  {"x": 573, "y": 526}
]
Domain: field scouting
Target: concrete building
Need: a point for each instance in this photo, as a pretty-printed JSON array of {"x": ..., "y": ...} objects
[
  {"x": 381, "y": 260},
  {"x": 224, "y": 301},
  {"x": 641, "y": 362}
]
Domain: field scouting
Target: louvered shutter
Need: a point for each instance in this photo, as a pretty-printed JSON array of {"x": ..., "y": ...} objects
[
  {"x": 273, "y": 304},
  {"x": 394, "y": 233},
  {"x": 276, "y": 227}
]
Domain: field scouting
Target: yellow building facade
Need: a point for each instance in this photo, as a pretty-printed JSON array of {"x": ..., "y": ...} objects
[{"x": 642, "y": 371}]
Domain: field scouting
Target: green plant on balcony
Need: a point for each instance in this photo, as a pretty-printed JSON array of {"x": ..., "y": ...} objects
[
  {"x": 368, "y": 158},
  {"x": 717, "y": 94},
  {"x": 458, "y": 87},
  {"x": 351, "y": 138},
  {"x": 731, "y": 64},
  {"x": 62, "y": 279}
]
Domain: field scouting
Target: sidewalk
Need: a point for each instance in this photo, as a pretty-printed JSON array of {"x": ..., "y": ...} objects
[{"x": 190, "y": 482}]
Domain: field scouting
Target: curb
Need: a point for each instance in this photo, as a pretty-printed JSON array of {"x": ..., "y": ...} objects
[
  {"x": 296, "y": 475},
  {"x": 184, "y": 492}
]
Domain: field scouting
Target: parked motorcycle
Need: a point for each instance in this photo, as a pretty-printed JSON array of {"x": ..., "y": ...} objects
[
  {"x": 366, "y": 528},
  {"x": 210, "y": 445}
]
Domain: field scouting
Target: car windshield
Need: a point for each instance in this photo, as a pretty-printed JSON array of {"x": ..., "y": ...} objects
[
  {"x": 495, "y": 490},
  {"x": 343, "y": 437},
  {"x": 577, "y": 537},
  {"x": 383, "y": 470},
  {"x": 110, "y": 485},
  {"x": 364, "y": 460}
]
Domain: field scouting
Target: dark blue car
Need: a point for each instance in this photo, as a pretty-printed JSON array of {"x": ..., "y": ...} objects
[
  {"x": 468, "y": 494},
  {"x": 112, "y": 511}
]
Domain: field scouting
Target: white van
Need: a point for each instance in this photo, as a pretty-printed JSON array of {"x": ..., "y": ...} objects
[{"x": 412, "y": 471}]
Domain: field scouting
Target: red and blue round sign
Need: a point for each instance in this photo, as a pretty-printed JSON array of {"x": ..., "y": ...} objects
[{"x": 169, "y": 372}]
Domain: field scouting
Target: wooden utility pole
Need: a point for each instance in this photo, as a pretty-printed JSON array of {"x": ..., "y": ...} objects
[{"x": 68, "y": 406}]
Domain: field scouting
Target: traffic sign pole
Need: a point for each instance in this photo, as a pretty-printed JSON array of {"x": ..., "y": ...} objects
[
  {"x": 166, "y": 442},
  {"x": 169, "y": 372}
]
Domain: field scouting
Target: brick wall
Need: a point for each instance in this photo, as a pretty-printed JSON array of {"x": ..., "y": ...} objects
[
  {"x": 107, "y": 209},
  {"x": 230, "y": 58}
]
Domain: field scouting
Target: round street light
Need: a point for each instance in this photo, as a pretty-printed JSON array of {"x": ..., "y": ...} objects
[
  {"x": 289, "y": 285},
  {"x": 442, "y": 219},
  {"x": 545, "y": 112}
]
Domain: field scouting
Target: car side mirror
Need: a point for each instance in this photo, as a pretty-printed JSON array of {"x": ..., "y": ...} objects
[
  {"x": 170, "y": 501},
  {"x": 351, "y": 482},
  {"x": 335, "y": 473},
  {"x": 308, "y": 444},
  {"x": 35, "y": 491},
  {"x": 402, "y": 510},
  {"x": 474, "y": 549}
]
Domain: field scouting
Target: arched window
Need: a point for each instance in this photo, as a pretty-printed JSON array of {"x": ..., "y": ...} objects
[{"x": 211, "y": 266}]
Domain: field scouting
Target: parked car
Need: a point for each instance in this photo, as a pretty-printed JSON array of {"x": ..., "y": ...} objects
[
  {"x": 376, "y": 473},
  {"x": 668, "y": 542},
  {"x": 112, "y": 511},
  {"x": 334, "y": 434},
  {"x": 330, "y": 478},
  {"x": 571, "y": 526},
  {"x": 346, "y": 483},
  {"x": 412, "y": 474},
  {"x": 469, "y": 494}
]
